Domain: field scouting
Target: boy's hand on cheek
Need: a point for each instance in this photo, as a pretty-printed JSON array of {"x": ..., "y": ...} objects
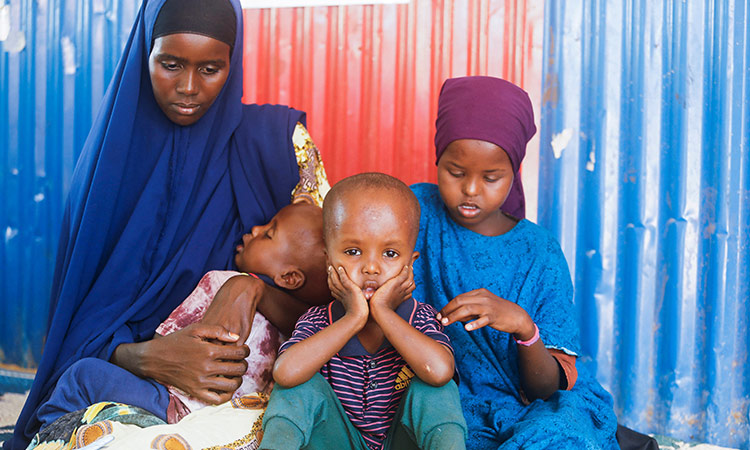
[
  {"x": 348, "y": 293},
  {"x": 394, "y": 291}
]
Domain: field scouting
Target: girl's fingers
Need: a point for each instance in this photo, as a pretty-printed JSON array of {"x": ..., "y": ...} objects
[
  {"x": 461, "y": 314},
  {"x": 482, "y": 321},
  {"x": 452, "y": 306}
]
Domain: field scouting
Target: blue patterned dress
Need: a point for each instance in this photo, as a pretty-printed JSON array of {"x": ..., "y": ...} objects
[{"x": 525, "y": 266}]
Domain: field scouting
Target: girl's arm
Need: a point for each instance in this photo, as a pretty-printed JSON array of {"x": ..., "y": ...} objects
[
  {"x": 540, "y": 372},
  {"x": 430, "y": 360}
]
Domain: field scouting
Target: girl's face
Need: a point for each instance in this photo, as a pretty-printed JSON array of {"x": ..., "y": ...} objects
[
  {"x": 187, "y": 73},
  {"x": 474, "y": 179}
]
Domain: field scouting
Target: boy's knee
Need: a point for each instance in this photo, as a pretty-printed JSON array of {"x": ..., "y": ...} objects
[
  {"x": 447, "y": 436},
  {"x": 445, "y": 395},
  {"x": 315, "y": 395},
  {"x": 280, "y": 433}
]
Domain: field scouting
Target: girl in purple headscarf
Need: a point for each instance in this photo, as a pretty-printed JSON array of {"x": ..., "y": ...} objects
[{"x": 501, "y": 282}]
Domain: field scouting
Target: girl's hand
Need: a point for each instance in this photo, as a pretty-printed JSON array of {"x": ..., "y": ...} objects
[
  {"x": 198, "y": 361},
  {"x": 348, "y": 293},
  {"x": 483, "y": 308},
  {"x": 394, "y": 291}
]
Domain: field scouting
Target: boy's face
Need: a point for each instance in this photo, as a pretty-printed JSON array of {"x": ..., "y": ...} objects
[
  {"x": 474, "y": 179},
  {"x": 266, "y": 248},
  {"x": 372, "y": 238}
]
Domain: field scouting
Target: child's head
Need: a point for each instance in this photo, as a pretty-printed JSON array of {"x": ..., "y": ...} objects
[
  {"x": 289, "y": 249},
  {"x": 371, "y": 222},
  {"x": 482, "y": 129}
]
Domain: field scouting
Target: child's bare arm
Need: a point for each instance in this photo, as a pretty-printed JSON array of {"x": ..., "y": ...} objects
[
  {"x": 302, "y": 360},
  {"x": 540, "y": 372},
  {"x": 431, "y": 361},
  {"x": 234, "y": 306}
]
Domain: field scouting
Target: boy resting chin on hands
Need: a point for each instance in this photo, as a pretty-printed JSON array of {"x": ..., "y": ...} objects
[{"x": 372, "y": 369}]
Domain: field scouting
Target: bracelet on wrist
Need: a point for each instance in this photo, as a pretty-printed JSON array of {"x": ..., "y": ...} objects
[{"x": 531, "y": 341}]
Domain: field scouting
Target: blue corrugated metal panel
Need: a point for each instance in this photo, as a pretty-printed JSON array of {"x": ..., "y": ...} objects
[
  {"x": 646, "y": 158},
  {"x": 50, "y": 90}
]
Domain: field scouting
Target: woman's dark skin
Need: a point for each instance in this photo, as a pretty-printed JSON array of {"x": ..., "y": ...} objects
[
  {"x": 205, "y": 359},
  {"x": 197, "y": 358}
]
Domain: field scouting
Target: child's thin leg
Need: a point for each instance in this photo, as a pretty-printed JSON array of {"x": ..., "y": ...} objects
[
  {"x": 93, "y": 380},
  {"x": 308, "y": 416},
  {"x": 429, "y": 417}
]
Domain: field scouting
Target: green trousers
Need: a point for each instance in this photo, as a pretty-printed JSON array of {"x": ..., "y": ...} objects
[{"x": 311, "y": 417}]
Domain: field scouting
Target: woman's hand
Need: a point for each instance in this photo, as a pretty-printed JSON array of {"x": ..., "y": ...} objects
[
  {"x": 195, "y": 359},
  {"x": 394, "y": 291},
  {"x": 234, "y": 306},
  {"x": 483, "y": 308},
  {"x": 348, "y": 293}
]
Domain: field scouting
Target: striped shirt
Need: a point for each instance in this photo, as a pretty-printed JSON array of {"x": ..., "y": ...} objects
[{"x": 369, "y": 386}]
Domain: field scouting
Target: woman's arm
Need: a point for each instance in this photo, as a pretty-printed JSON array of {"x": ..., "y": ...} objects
[
  {"x": 193, "y": 359},
  {"x": 207, "y": 359}
]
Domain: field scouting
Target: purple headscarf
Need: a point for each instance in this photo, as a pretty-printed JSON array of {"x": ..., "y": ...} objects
[{"x": 492, "y": 110}]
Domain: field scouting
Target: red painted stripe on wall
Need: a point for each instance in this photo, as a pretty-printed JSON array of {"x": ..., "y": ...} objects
[{"x": 369, "y": 76}]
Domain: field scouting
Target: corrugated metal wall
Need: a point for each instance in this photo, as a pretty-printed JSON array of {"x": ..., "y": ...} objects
[
  {"x": 646, "y": 103},
  {"x": 645, "y": 159},
  {"x": 369, "y": 76},
  {"x": 55, "y": 64}
]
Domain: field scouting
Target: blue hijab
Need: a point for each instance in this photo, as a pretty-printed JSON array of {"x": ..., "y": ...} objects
[{"x": 153, "y": 206}]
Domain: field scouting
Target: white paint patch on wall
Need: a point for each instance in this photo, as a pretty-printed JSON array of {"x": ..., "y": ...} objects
[
  {"x": 560, "y": 141},
  {"x": 69, "y": 56}
]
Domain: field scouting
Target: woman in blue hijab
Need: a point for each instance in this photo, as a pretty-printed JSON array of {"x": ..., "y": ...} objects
[{"x": 174, "y": 170}]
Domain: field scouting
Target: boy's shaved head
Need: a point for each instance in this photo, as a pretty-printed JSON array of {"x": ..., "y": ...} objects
[{"x": 371, "y": 185}]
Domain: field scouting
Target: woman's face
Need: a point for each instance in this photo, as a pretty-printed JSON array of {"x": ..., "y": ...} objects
[{"x": 187, "y": 73}]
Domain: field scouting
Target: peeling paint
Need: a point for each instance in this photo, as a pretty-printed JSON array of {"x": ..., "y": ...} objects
[
  {"x": 591, "y": 163},
  {"x": 10, "y": 233},
  {"x": 560, "y": 141},
  {"x": 15, "y": 42},
  {"x": 69, "y": 56},
  {"x": 4, "y": 22}
]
